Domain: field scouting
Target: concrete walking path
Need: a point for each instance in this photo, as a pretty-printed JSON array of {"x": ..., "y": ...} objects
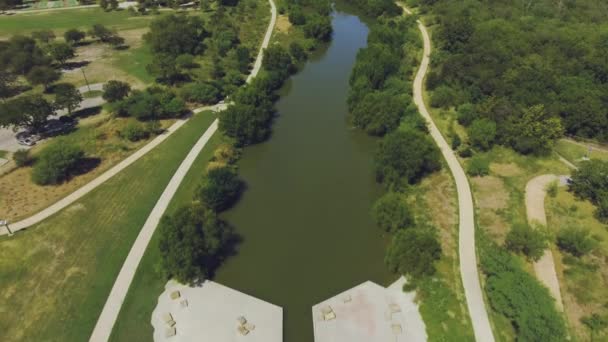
[
  {"x": 466, "y": 243},
  {"x": 111, "y": 309},
  {"x": 536, "y": 190}
]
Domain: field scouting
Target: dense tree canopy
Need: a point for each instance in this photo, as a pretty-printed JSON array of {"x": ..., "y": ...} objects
[
  {"x": 115, "y": 90},
  {"x": 392, "y": 213},
  {"x": 176, "y": 34},
  {"x": 525, "y": 66},
  {"x": 192, "y": 243},
  {"x": 31, "y": 111},
  {"x": 220, "y": 188},
  {"x": 406, "y": 154},
  {"x": 67, "y": 97}
]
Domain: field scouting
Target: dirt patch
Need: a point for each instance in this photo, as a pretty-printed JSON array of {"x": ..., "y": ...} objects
[
  {"x": 490, "y": 193},
  {"x": 505, "y": 170},
  {"x": 283, "y": 24},
  {"x": 133, "y": 38}
]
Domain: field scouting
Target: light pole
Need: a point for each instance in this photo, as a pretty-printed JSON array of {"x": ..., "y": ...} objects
[{"x": 85, "y": 79}]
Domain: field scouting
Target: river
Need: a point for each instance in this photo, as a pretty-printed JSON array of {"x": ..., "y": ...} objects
[{"x": 305, "y": 215}]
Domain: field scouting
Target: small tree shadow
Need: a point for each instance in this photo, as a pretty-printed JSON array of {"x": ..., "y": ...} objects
[{"x": 85, "y": 165}]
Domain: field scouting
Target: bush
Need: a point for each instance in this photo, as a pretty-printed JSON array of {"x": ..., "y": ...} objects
[
  {"x": 413, "y": 252},
  {"x": 391, "y": 213},
  {"x": 552, "y": 189},
  {"x": 465, "y": 151},
  {"x": 220, "y": 188},
  {"x": 151, "y": 104},
  {"x": 466, "y": 114},
  {"x": 526, "y": 240},
  {"x": 407, "y": 154},
  {"x": 519, "y": 296},
  {"x": 22, "y": 157},
  {"x": 577, "y": 242},
  {"x": 482, "y": 134},
  {"x": 456, "y": 141},
  {"x": 379, "y": 113},
  {"x": 134, "y": 131},
  {"x": 192, "y": 243},
  {"x": 56, "y": 163},
  {"x": 443, "y": 97},
  {"x": 478, "y": 166}
]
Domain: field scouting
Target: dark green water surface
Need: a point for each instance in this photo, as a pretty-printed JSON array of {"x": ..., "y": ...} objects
[{"x": 305, "y": 216}]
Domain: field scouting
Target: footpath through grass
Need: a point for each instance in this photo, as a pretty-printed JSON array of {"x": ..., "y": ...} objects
[
  {"x": 133, "y": 323},
  {"x": 56, "y": 276}
]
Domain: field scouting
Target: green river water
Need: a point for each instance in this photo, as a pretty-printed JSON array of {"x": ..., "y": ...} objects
[{"x": 304, "y": 218}]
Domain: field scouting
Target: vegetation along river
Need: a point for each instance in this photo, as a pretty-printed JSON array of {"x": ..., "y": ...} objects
[{"x": 304, "y": 218}]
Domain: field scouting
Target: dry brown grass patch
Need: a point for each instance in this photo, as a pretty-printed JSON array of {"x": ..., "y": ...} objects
[
  {"x": 440, "y": 196},
  {"x": 506, "y": 170},
  {"x": 490, "y": 192},
  {"x": 283, "y": 24}
]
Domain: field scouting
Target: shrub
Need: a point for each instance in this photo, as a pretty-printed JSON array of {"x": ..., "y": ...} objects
[
  {"x": 465, "y": 151},
  {"x": 526, "y": 240},
  {"x": 391, "y": 213},
  {"x": 56, "y": 163},
  {"x": 73, "y": 36},
  {"x": 134, "y": 131},
  {"x": 22, "y": 157},
  {"x": 379, "y": 112},
  {"x": 577, "y": 242},
  {"x": 413, "y": 252},
  {"x": 519, "y": 296},
  {"x": 407, "y": 154},
  {"x": 466, "y": 114},
  {"x": 482, "y": 133},
  {"x": 442, "y": 97},
  {"x": 552, "y": 189},
  {"x": 478, "y": 166},
  {"x": 220, "y": 188},
  {"x": 456, "y": 141}
]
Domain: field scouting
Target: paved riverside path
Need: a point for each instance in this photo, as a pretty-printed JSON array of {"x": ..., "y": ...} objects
[
  {"x": 466, "y": 236},
  {"x": 535, "y": 211},
  {"x": 111, "y": 309}
]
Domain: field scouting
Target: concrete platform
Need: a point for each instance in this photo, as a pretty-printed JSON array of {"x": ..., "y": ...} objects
[
  {"x": 212, "y": 314},
  {"x": 369, "y": 313}
]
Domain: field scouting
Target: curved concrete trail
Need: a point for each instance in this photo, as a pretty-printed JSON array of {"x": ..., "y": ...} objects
[
  {"x": 119, "y": 291},
  {"x": 466, "y": 243},
  {"x": 535, "y": 211}
]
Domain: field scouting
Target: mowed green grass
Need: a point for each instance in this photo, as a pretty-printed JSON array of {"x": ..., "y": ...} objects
[
  {"x": 60, "y": 21},
  {"x": 575, "y": 153},
  {"x": 134, "y": 62},
  {"x": 56, "y": 276},
  {"x": 133, "y": 322}
]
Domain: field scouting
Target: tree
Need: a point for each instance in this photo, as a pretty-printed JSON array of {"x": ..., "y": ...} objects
[
  {"x": 185, "y": 61},
  {"x": 8, "y": 4},
  {"x": 413, "y": 252},
  {"x": 61, "y": 52},
  {"x": 443, "y": 97},
  {"x": 467, "y": 114},
  {"x": 296, "y": 15},
  {"x": 74, "y": 36},
  {"x": 528, "y": 241},
  {"x": 165, "y": 69},
  {"x": 297, "y": 51},
  {"x": 7, "y": 83},
  {"x": 101, "y": 32},
  {"x": 407, "y": 154},
  {"x": 534, "y": 131},
  {"x": 114, "y": 91},
  {"x": 318, "y": 27},
  {"x": 56, "y": 163},
  {"x": 21, "y": 54},
  {"x": 391, "y": 213},
  {"x": 482, "y": 134},
  {"x": 220, "y": 188},
  {"x": 43, "y": 75},
  {"x": 30, "y": 111},
  {"x": 577, "y": 242},
  {"x": 277, "y": 59},
  {"x": 43, "y": 36},
  {"x": 201, "y": 92},
  {"x": 175, "y": 35},
  {"x": 67, "y": 97},
  {"x": 247, "y": 124},
  {"x": 590, "y": 181},
  {"x": 192, "y": 243},
  {"x": 379, "y": 113}
]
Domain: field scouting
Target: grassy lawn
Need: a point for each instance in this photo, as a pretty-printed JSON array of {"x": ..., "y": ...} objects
[
  {"x": 133, "y": 323},
  {"x": 579, "y": 277},
  {"x": 97, "y": 136},
  {"x": 61, "y": 21},
  {"x": 443, "y": 306},
  {"x": 92, "y": 93},
  {"x": 575, "y": 153},
  {"x": 58, "y": 274}
]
